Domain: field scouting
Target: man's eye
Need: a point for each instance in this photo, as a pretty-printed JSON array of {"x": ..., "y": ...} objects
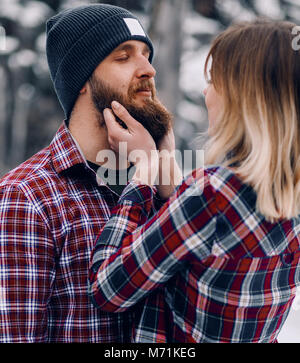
[{"x": 122, "y": 58}]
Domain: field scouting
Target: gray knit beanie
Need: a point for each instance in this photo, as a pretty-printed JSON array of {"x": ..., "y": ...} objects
[{"x": 79, "y": 39}]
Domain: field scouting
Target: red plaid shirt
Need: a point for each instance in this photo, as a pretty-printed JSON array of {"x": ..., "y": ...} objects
[
  {"x": 51, "y": 210},
  {"x": 228, "y": 274}
]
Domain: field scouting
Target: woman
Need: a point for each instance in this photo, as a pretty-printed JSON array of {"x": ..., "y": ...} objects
[{"x": 224, "y": 250}]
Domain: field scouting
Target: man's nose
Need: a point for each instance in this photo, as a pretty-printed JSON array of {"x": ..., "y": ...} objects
[{"x": 145, "y": 69}]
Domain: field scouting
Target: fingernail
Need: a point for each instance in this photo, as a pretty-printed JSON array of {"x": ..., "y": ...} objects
[
  {"x": 115, "y": 104},
  {"x": 107, "y": 112}
]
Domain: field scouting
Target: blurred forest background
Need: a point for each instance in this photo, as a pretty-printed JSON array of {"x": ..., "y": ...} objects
[{"x": 181, "y": 30}]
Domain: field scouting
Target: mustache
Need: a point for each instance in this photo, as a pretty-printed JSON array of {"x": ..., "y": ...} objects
[{"x": 143, "y": 85}]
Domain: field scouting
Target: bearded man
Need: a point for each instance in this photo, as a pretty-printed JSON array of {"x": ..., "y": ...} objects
[{"x": 53, "y": 206}]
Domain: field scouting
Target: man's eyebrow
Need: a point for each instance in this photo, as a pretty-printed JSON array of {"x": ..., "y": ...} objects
[{"x": 123, "y": 47}]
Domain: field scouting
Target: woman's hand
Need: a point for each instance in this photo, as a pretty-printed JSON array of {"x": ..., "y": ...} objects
[
  {"x": 170, "y": 175},
  {"x": 167, "y": 142},
  {"x": 140, "y": 146}
]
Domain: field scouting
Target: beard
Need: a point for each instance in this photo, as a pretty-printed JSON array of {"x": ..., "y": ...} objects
[{"x": 156, "y": 119}]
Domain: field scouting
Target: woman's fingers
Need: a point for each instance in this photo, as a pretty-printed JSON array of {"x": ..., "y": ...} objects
[
  {"x": 136, "y": 137},
  {"x": 116, "y": 133},
  {"x": 113, "y": 127},
  {"x": 111, "y": 121},
  {"x": 125, "y": 116}
]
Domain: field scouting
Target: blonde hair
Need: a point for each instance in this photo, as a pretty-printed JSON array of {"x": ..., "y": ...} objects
[{"x": 257, "y": 73}]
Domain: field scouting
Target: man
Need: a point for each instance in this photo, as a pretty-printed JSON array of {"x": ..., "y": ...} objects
[{"x": 53, "y": 206}]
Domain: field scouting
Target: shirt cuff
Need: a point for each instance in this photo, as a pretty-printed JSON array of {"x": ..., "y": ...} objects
[{"x": 138, "y": 194}]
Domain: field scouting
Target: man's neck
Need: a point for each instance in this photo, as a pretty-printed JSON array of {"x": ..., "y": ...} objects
[{"x": 91, "y": 135}]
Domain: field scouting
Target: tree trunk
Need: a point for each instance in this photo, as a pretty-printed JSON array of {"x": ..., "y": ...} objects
[{"x": 166, "y": 33}]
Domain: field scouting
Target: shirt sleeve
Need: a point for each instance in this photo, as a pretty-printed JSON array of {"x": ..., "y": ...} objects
[
  {"x": 26, "y": 269},
  {"x": 135, "y": 255}
]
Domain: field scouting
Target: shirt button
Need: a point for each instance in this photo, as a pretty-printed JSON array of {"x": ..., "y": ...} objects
[{"x": 287, "y": 259}]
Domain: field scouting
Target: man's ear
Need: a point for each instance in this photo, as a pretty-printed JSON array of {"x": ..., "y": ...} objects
[{"x": 83, "y": 90}]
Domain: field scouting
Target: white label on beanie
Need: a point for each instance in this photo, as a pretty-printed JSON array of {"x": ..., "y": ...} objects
[{"x": 134, "y": 26}]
